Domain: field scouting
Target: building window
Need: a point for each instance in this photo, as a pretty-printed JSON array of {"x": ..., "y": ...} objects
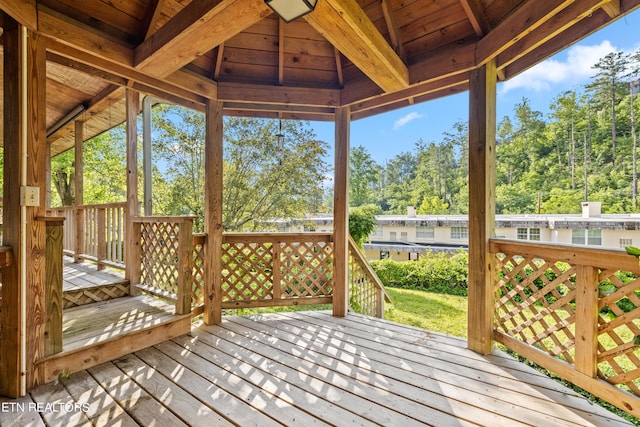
[
  {"x": 528, "y": 234},
  {"x": 425, "y": 233},
  {"x": 377, "y": 232},
  {"x": 309, "y": 229},
  {"x": 403, "y": 236},
  {"x": 459, "y": 233},
  {"x": 393, "y": 236},
  {"x": 384, "y": 254},
  {"x": 586, "y": 237},
  {"x": 626, "y": 242}
]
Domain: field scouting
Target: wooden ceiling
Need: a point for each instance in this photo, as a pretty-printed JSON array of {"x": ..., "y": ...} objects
[{"x": 373, "y": 55}]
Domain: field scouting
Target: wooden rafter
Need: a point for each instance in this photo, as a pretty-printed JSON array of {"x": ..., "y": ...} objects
[
  {"x": 477, "y": 19},
  {"x": 281, "y": 25},
  {"x": 524, "y": 21},
  {"x": 150, "y": 21},
  {"x": 565, "y": 19},
  {"x": 612, "y": 8},
  {"x": 336, "y": 52},
  {"x": 394, "y": 34},
  {"x": 194, "y": 31},
  {"x": 219, "y": 58},
  {"x": 345, "y": 25}
]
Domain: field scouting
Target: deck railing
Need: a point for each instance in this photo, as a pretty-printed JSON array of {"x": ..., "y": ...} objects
[
  {"x": 95, "y": 233},
  {"x": 366, "y": 292},
  {"x": 574, "y": 311},
  {"x": 276, "y": 269},
  {"x": 163, "y": 250}
]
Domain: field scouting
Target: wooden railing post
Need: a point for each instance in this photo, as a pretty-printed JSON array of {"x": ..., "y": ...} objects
[
  {"x": 134, "y": 259},
  {"x": 185, "y": 267},
  {"x": 276, "y": 275},
  {"x": 101, "y": 234},
  {"x": 53, "y": 285},
  {"x": 379, "y": 302},
  {"x": 79, "y": 234},
  {"x": 586, "y": 358}
]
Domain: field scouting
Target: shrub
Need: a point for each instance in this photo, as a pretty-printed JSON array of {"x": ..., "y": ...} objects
[{"x": 439, "y": 273}]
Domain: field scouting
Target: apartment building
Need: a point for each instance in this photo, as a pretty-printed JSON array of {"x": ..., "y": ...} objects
[{"x": 407, "y": 237}]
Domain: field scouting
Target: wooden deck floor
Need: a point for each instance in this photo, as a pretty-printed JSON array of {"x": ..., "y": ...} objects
[{"x": 310, "y": 369}]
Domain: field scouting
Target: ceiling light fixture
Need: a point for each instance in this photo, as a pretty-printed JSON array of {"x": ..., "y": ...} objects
[{"x": 290, "y": 10}]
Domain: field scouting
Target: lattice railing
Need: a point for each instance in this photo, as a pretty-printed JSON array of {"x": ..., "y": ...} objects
[
  {"x": 366, "y": 292},
  {"x": 165, "y": 252},
  {"x": 276, "y": 269},
  {"x": 579, "y": 305}
]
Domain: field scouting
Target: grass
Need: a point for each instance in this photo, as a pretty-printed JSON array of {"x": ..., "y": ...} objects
[{"x": 435, "y": 312}]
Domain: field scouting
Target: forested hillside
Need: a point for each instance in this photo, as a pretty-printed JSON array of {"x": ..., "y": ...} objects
[{"x": 582, "y": 149}]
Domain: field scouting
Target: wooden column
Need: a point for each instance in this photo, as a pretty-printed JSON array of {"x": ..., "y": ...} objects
[
  {"x": 79, "y": 189},
  {"x": 482, "y": 163},
  {"x": 25, "y": 171},
  {"x": 132, "y": 265},
  {"x": 213, "y": 212},
  {"x": 341, "y": 213}
]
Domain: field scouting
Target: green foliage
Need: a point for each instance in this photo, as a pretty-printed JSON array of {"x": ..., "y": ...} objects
[
  {"x": 363, "y": 174},
  {"x": 362, "y": 222},
  {"x": 261, "y": 179},
  {"x": 439, "y": 273}
]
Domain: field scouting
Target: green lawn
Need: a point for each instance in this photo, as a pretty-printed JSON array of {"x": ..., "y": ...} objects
[{"x": 435, "y": 312}]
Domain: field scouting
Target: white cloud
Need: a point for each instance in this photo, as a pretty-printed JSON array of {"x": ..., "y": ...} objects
[
  {"x": 402, "y": 121},
  {"x": 575, "y": 69}
]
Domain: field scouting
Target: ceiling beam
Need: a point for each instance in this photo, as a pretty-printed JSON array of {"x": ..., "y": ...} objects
[
  {"x": 565, "y": 19},
  {"x": 477, "y": 19},
  {"x": 182, "y": 85},
  {"x": 194, "y": 31},
  {"x": 524, "y": 21},
  {"x": 345, "y": 25},
  {"x": 148, "y": 25},
  {"x": 283, "y": 95},
  {"x": 23, "y": 11}
]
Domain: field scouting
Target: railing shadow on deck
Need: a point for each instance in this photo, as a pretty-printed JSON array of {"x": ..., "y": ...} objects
[{"x": 574, "y": 311}]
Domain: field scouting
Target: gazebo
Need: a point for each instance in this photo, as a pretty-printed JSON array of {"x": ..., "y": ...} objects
[{"x": 73, "y": 69}]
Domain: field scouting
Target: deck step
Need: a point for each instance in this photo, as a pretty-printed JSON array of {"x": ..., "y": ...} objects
[
  {"x": 98, "y": 332},
  {"x": 84, "y": 284}
]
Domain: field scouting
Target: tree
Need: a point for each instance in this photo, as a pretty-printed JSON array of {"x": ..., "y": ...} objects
[
  {"x": 363, "y": 173},
  {"x": 362, "y": 222},
  {"x": 608, "y": 88},
  {"x": 261, "y": 181}
]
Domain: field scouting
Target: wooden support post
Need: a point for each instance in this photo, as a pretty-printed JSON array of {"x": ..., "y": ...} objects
[
  {"x": 185, "y": 267},
  {"x": 341, "y": 214},
  {"x": 586, "y": 358},
  {"x": 79, "y": 188},
  {"x": 482, "y": 161},
  {"x": 132, "y": 261},
  {"x": 13, "y": 292},
  {"x": 101, "y": 236},
  {"x": 53, "y": 289},
  {"x": 213, "y": 213}
]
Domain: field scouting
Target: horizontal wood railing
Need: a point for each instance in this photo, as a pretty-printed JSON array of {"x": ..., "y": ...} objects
[
  {"x": 573, "y": 310},
  {"x": 95, "y": 233},
  {"x": 276, "y": 269},
  {"x": 367, "y": 294},
  {"x": 164, "y": 248}
]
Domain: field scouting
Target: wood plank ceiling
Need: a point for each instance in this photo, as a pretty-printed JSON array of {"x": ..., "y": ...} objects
[{"x": 374, "y": 55}]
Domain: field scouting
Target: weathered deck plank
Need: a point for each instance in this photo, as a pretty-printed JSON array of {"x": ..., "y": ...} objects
[{"x": 314, "y": 369}]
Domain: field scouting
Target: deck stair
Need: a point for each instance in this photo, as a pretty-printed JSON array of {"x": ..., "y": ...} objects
[{"x": 84, "y": 284}]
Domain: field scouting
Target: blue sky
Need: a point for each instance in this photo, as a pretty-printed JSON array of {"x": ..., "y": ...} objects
[{"x": 391, "y": 133}]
